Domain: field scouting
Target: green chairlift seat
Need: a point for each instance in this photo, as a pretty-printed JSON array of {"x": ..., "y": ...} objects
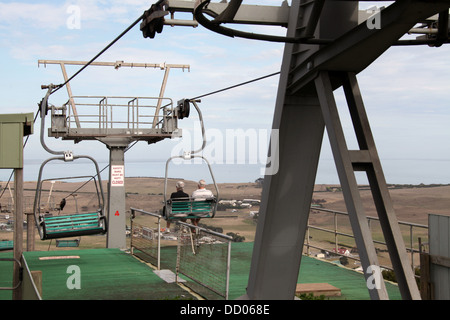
[
  {"x": 68, "y": 243},
  {"x": 73, "y": 225},
  {"x": 190, "y": 208},
  {"x": 6, "y": 245}
]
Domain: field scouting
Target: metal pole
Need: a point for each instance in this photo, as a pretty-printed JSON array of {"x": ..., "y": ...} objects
[
  {"x": 227, "y": 289},
  {"x": 411, "y": 245},
  {"x": 367, "y": 160},
  {"x": 31, "y": 231},
  {"x": 307, "y": 240},
  {"x": 335, "y": 233},
  {"x": 159, "y": 243},
  {"x": 117, "y": 64},
  {"x": 18, "y": 230},
  {"x": 50, "y": 194},
  {"x": 161, "y": 95},
  {"x": 69, "y": 92},
  {"x": 347, "y": 178},
  {"x": 131, "y": 226},
  {"x": 116, "y": 199}
]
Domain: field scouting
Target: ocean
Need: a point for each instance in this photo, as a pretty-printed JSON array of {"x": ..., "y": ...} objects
[{"x": 407, "y": 171}]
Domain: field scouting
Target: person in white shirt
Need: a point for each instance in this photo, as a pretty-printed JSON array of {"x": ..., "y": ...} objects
[{"x": 201, "y": 194}]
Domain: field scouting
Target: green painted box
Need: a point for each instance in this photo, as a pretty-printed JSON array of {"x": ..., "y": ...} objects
[{"x": 13, "y": 127}]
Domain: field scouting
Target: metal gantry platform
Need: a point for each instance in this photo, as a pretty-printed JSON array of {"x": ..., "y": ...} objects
[
  {"x": 116, "y": 121},
  {"x": 122, "y": 118}
]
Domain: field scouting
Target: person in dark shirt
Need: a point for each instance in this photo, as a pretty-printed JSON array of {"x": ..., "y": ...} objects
[{"x": 177, "y": 195}]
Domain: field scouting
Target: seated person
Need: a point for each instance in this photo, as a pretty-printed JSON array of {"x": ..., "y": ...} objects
[
  {"x": 201, "y": 194},
  {"x": 179, "y": 194}
]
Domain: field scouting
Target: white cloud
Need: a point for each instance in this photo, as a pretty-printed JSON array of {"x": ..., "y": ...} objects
[{"x": 35, "y": 15}]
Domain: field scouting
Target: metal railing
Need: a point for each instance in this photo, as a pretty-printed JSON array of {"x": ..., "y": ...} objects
[
  {"x": 336, "y": 233},
  {"x": 102, "y": 112},
  {"x": 204, "y": 256},
  {"x": 16, "y": 285},
  {"x": 146, "y": 240}
]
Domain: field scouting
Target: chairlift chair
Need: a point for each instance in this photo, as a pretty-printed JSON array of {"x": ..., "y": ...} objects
[
  {"x": 189, "y": 208},
  {"x": 70, "y": 225}
]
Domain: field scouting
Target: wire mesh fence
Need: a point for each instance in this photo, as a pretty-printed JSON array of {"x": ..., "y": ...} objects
[
  {"x": 146, "y": 240},
  {"x": 204, "y": 257}
]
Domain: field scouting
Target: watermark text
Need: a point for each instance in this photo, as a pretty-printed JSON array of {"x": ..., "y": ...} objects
[
  {"x": 234, "y": 146},
  {"x": 74, "y": 280},
  {"x": 74, "y": 19}
]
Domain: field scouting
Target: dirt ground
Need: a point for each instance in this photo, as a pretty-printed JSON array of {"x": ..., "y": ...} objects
[{"x": 411, "y": 203}]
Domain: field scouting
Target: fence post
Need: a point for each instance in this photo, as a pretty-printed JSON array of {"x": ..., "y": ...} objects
[
  {"x": 336, "y": 245},
  {"x": 425, "y": 291}
]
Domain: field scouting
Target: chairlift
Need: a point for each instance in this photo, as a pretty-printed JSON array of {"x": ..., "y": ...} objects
[
  {"x": 190, "y": 208},
  {"x": 69, "y": 225},
  {"x": 68, "y": 243}
]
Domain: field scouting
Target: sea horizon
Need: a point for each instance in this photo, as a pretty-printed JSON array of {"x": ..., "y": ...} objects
[{"x": 396, "y": 171}]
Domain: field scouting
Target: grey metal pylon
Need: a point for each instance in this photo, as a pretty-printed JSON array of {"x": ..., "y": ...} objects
[
  {"x": 366, "y": 159},
  {"x": 304, "y": 104},
  {"x": 286, "y": 196},
  {"x": 327, "y": 44}
]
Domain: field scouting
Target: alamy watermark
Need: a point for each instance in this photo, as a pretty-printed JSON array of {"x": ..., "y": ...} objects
[
  {"x": 74, "y": 280},
  {"x": 74, "y": 17},
  {"x": 234, "y": 146},
  {"x": 374, "y": 20},
  {"x": 375, "y": 277},
  {"x": 73, "y": 21}
]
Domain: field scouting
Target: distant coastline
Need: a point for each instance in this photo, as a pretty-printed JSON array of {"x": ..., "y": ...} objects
[{"x": 398, "y": 172}]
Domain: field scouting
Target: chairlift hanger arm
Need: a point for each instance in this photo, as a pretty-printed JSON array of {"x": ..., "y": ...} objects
[
  {"x": 215, "y": 25},
  {"x": 43, "y": 107},
  {"x": 237, "y": 13},
  {"x": 100, "y": 192}
]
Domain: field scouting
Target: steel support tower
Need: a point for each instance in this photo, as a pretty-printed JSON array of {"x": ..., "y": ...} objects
[{"x": 327, "y": 44}]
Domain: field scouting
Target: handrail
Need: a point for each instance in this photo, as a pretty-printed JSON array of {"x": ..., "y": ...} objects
[
  {"x": 108, "y": 106},
  {"x": 132, "y": 216},
  {"x": 20, "y": 274},
  {"x": 226, "y": 238},
  {"x": 336, "y": 233}
]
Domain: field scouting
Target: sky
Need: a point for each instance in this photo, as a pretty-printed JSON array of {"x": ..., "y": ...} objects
[{"x": 405, "y": 91}]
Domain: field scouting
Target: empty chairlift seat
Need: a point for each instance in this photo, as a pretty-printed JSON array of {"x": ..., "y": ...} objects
[
  {"x": 6, "y": 245},
  {"x": 73, "y": 225}
]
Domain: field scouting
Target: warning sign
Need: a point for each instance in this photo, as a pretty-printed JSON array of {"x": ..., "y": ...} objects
[{"x": 117, "y": 176}]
